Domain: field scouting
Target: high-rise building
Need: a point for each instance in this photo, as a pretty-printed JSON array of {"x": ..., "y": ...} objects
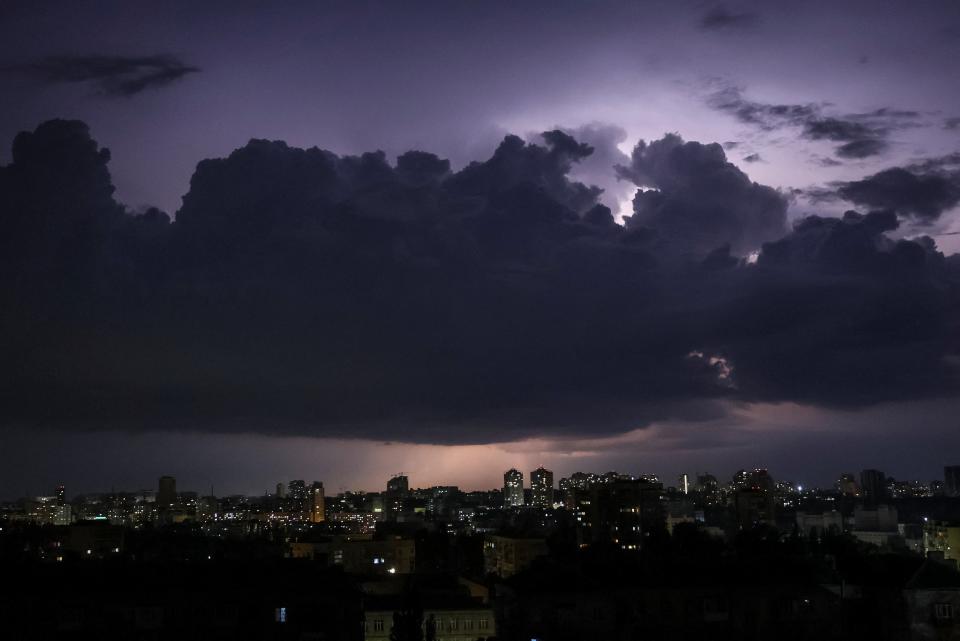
[
  {"x": 398, "y": 488},
  {"x": 443, "y": 499},
  {"x": 577, "y": 484},
  {"x": 741, "y": 479},
  {"x": 541, "y": 487},
  {"x": 297, "y": 490},
  {"x": 621, "y": 512},
  {"x": 298, "y": 498},
  {"x": 166, "y": 492},
  {"x": 513, "y": 488},
  {"x": 61, "y": 494},
  {"x": 684, "y": 481},
  {"x": 281, "y": 491},
  {"x": 847, "y": 485},
  {"x": 951, "y": 480},
  {"x": 399, "y": 484},
  {"x": 873, "y": 485},
  {"x": 318, "y": 504},
  {"x": 754, "y": 499}
]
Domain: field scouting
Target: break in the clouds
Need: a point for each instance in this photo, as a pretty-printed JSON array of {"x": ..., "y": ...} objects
[
  {"x": 598, "y": 168},
  {"x": 300, "y": 291},
  {"x": 858, "y": 135},
  {"x": 112, "y": 75}
]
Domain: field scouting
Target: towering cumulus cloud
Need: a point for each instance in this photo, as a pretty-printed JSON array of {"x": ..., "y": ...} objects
[
  {"x": 299, "y": 291},
  {"x": 697, "y": 200}
]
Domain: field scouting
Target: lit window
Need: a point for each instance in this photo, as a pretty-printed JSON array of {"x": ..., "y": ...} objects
[
  {"x": 378, "y": 625},
  {"x": 280, "y": 615},
  {"x": 943, "y": 611}
]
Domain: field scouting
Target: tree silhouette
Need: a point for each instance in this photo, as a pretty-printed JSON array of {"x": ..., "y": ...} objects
[{"x": 408, "y": 621}]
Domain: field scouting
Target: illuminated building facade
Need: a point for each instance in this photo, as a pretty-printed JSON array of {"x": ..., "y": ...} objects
[
  {"x": 541, "y": 487},
  {"x": 513, "y": 488},
  {"x": 318, "y": 504}
]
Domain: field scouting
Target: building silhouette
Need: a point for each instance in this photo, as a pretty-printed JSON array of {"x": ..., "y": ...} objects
[
  {"x": 166, "y": 492},
  {"x": 398, "y": 488},
  {"x": 873, "y": 485},
  {"x": 951, "y": 480}
]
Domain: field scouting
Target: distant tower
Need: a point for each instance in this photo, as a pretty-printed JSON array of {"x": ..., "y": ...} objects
[
  {"x": 513, "y": 488},
  {"x": 318, "y": 505},
  {"x": 167, "y": 491},
  {"x": 61, "y": 494},
  {"x": 951, "y": 480},
  {"x": 299, "y": 498},
  {"x": 873, "y": 485},
  {"x": 847, "y": 485},
  {"x": 397, "y": 489},
  {"x": 685, "y": 483},
  {"x": 541, "y": 487},
  {"x": 297, "y": 490},
  {"x": 399, "y": 484},
  {"x": 281, "y": 491}
]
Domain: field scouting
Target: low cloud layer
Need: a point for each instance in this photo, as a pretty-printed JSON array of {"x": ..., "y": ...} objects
[
  {"x": 301, "y": 292},
  {"x": 116, "y": 76}
]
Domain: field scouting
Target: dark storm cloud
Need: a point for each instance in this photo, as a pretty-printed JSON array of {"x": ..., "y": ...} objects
[
  {"x": 699, "y": 200},
  {"x": 947, "y": 165},
  {"x": 922, "y": 196},
  {"x": 862, "y": 148},
  {"x": 951, "y": 123},
  {"x": 862, "y": 134},
  {"x": 762, "y": 115},
  {"x": 721, "y": 18},
  {"x": 299, "y": 291},
  {"x": 112, "y": 75},
  {"x": 752, "y": 158},
  {"x": 836, "y": 130}
]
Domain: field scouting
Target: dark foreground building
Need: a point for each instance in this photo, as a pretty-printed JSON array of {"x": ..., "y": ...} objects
[
  {"x": 773, "y": 598},
  {"x": 142, "y": 601}
]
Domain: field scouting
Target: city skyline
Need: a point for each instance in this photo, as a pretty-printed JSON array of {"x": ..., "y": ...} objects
[
  {"x": 485, "y": 320},
  {"x": 517, "y": 487}
]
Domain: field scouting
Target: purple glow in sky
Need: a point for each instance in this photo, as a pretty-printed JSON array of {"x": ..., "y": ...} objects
[{"x": 807, "y": 98}]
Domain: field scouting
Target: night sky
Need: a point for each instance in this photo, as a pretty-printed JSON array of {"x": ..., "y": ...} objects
[{"x": 245, "y": 242}]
